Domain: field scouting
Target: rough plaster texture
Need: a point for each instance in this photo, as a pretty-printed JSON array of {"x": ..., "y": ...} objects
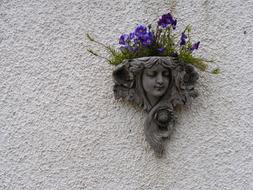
[{"x": 60, "y": 127}]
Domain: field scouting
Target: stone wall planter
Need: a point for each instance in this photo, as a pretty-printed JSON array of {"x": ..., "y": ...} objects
[
  {"x": 158, "y": 85},
  {"x": 155, "y": 69}
]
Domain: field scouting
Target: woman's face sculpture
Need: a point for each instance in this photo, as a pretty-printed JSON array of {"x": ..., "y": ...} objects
[
  {"x": 157, "y": 84},
  {"x": 155, "y": 80}
]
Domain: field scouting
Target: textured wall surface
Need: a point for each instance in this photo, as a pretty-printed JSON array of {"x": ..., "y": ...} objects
[{"x": 60, "y": 127}]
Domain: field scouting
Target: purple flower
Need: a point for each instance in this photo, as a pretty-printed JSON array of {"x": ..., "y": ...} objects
[
  {"x": 134, "y": 49},
  {"x": 136, "y": 41},
  {"x": 140, "y": 30},
  {"x": 194, "y": 46},
  {"x": 174, "y": 54},
  {"x": 131, "y": 35},
  {"x": 146, "y": 39},
  {"x": 126, "y": 48},
  {"x": 123, "y": 39},
  {"x": 183, "y": 39},
  {"x": 161, "y": 50},
  {"x": 167, "y": 20},
  {"x": 174, "y": 24}
]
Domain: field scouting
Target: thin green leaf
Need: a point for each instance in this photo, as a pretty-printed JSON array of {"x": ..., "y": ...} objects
[
  {"x": 89, "y": 37},
  {"x": 92, "y": 52},
  {"x": 216, "y": 71}
]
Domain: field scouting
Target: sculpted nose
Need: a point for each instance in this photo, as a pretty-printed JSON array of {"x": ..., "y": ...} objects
[{"x": 159, "y": 79}]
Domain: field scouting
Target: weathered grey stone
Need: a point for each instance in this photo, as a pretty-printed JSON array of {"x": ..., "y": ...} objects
[{"x": 158, "y": 84}]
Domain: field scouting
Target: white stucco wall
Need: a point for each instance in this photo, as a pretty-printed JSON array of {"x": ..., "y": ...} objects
[{"x": 60, "y": 127}]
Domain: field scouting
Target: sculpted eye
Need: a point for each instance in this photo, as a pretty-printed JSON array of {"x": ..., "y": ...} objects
[
  {"x": 151, "y": 73},
  {"x": 166, "y": 73}
]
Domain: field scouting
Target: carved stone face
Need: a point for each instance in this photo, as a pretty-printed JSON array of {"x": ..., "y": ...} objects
[
  {"x": 145, "y": 81},
  {"x": 155, "y": 80}
]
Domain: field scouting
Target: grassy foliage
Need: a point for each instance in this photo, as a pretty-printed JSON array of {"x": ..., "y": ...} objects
[
  {"x": 216, "y": 71},
  {"x": 162, "y": 42},
  {"x": 190, "y": 59}
]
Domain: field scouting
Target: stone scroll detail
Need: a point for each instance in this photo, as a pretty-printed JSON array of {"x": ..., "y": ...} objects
[{"x": 157, "y": 84}]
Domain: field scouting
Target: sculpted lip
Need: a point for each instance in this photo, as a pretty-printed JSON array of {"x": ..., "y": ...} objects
[{"x": 159, "y": 87}]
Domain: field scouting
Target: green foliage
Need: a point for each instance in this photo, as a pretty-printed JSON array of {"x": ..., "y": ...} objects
[
  {"x": 92, "y": 52},
  {"x": 188, "y": 58},
  {"x": 117, "y": 57},
  {"x": 163, "y": 39},
  {"x": 216, "y": 71},
  {"x": 89, "y": 37}
]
